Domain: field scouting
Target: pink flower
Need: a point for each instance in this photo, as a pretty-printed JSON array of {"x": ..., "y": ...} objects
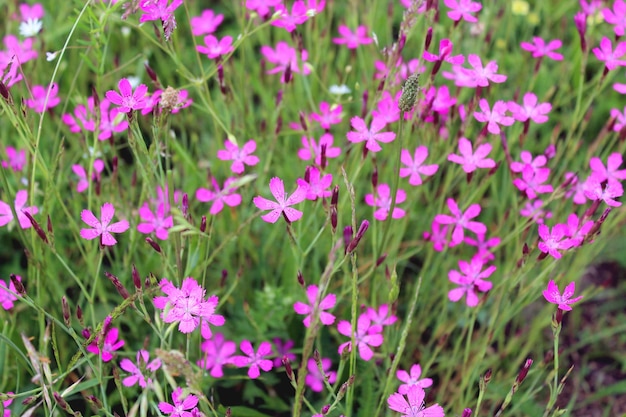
[
  {"x": 461, "y": 221},
  {"x": 8, "y": 293},
  {"x": 217, "y": 352},
  {"x": 366, "y": 336},
  {"x": 575, "y": 231},
  {"x": 282, "y": 203},
  {"x": 554, "y": 241},
  {"x": 109, "y": 122},
  {"x": 471, "y": 160},
  {"x": 128, "y": 100},
  {"x": 240, "y": 156},
  {"x": 412, "y": 379},
  {"x": 288, "y": 21},
  {"x": 530, "y": 109},
  {"x": 387, "y": 108},
  {"x": 382, "y": 199},
  {"x": 16, "y": 159},
  {"x": 483, "y": 246},
  {"x": 315, "y": 379},
  {"x": 616, "y": 17},
  {"x": 284, "y": 56},
  {"x": 206, "y": 23},
  {"x": 188, "y": 307},
  {"x": 494, "y": 118},
  {"x": 470, "y": 279},
  {"x": 414, "y": 407},
  {"x": 214, "y": 48},
  {"x": 181, "y": 404},
  {"x": 415, "y": 167},
  {"x": 382, "y": 316},
  {"x": 353, "y": 40},
  {"x": 102, "y": 228},
  {"x": 158, "y": 9},
  {"x": 442, "y": 102},
  {"x": 532, "y": 182},
  {"x": 328, "y": 115},
  {"x": 462, "y": 9},
  {"x": 310, "y": 149},
  {"x": 535, "y": 164},
  {"x": 445, "y": 49},
  {"x": 611, "y": 171},
  {"x": 226, "y": 196},
  {"x": 110, "y": 344},
  {"x": 610, "y": 57},
  {"x": 6, "y": 215},
  {"x": 328, "y": 302},
  {"x": 137, "y": 369},
  {"x": 40, "y": 93},
  {"x": 262, "y": 7},
  {"x": 254, "y": 360},
  {"x": 553, "y": 295},
  {"x": 85, "y": 116},
  {"x": 594, "y": 190},
  {"x": 318, "y": 186},
  {"x": 480, "y": 75},
  {"x": 371, "y": 135},
  {"x": 576, "y": 188},
  {"x": 534, "y": 210},
  {"x": 283, "y": 350},
  {"x": 157, "y": 222},
  {"x": 539, "y": 48},
  {"x": 31, "y": 12},
  {"x": 438, "y": 237},
  {"x": 83, "y": 181},
  {"x": 620, "y": 118}
]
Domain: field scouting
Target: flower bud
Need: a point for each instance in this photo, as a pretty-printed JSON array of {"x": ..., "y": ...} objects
[
  {"x": 301, "y": 279},
  {"x": 136, "y": 278},
  {"x": 118, "y": 285},
  {"x": 154, "y": 245},
  {"x": 409, "y": 93},
  {"x": 66, "y": 311},
  {"x": 17, "y": 283}
]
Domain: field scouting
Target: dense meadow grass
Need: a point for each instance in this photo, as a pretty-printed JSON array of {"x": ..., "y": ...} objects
[{"x": 311, "y": 208}]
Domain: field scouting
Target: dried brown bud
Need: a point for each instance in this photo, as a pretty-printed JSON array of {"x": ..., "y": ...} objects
[{"x": 169, "y": 98}]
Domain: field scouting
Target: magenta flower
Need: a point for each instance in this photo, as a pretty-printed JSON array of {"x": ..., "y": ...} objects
[
  {"x": 83, "y": 181},
  {"x": 414, "y": 407},
  {"x": 38, "y": 102},
  {"x": 554, "y": 240},
  {"x": 310, "y": 149},
  {"x": 353, "y": 40},
  {"x": 620, "y": 118},
  {"x": 563, "y": 301},
  {"x": 206, "y": 23},
  {"x": 366, "y": 336},
  {"x": 31, "y": 12},
  {"x": 616, "y": 17},
  {"x": 445, "y": 51},
  {"x": 371, "y": 135},
  {"x": 540, "y": 48},
  {"x": 217, "y": 352},
  {"x": 282, "y": 203},
  {"x": 284, "y": 56},
  {"x": 315, "y": 379},
  {"x": 470, "y": 279},
  {"x": 328, "y": 115},
  {"x": 219, "y": 197},
  {"x": 157, "y": 222},
  {"x": 240, "y": 156},
  {"x": 575, "y": 231},
  {"x": 6, "y": 215},
  {"x": 576, "y": 188},
  {"x": 530, "y": 109},
  {"x": 110, "y": 344},
  {"x": 442, "y": 102},
  {"x": 383, "y": 200},
  {"x": 482, "y": 75},
  {"x": 8, "y": 293},
  {"x": 328, "y": 302},
  {"x": 289, "y": 21},
  {"x": 128, "y": 101},
  {"x": 102, "y": 228},
  {"x": 611, "y": 171},
  {"x": 535, "y": 164},
  {"x": 254, "y": 360},
  {"x": 610, "y": 57},
  {"x": 188, "y": 307},
  {"x": 283, "y": 350},
  {"x": 594, "y": 190},
  {"x": 85, "y": 117},
  {"x": 438, "y": 237},
  {"x": 382, "y": 316},
  {"x": 532, "y": 182},
  {"x": 181, "y": 404},
  {"x": 160, "y": 10},
  {"x": 387, "y": 108},
  {"x": 412, "y": 379},
  {"x": 462, "y": 9},
  {"x": 137, "y": 369},
  {"x": 534, "y": 210},
  {"x": 318, "y": 186},
  {"x": 214, "y": 48},
  {"x": 262, "y": 7},
  {"x": 109, "y": 122},
  {"x": 415, "y": 167},
  {"x": 461, "y": 221},
  {"x": 493, "y": 117},
  {"x": 471, "y": 160},
  {"x": 16, "y": 159}
]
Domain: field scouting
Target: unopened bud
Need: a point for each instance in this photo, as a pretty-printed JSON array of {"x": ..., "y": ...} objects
[
  {"x": 375, "y": 177},
  {"x": 49, "y": 226},
  {"x": 224, "y": 277},
  {"x": 136, "y": 278},
  {"x": 154, "y": 245},
  {"x": 150, "y": 72},
  {"x": 429, "y": 38},
  {"x": 4, "y": 91},
  {"x": 79, "y": 315},
  {"x": 66, "y": 311},
  {"x": 288, "y": 368},
  {"x": 467, "y": 412},
  {"x": 228, "y": 412},
  {"x": 60, "y": 401},
  {"x": 359, "y": 235},
  {"x": 323, "y": 159},
  {"x": 381, "y": 259},
  {"x": 347, "y": 236},
  {"x": 334, "y": 199},
  {"x": 118, "y": 285},
  {"x": 287, "y": 75},
  {"x": 325, "y": 409},
  {"x": 279, "y": 125},
  {"x": 36, "y": 226},
  {"x": 95, "y": 401},
  {"x": 17, "y": 283},
  {"x": 303, "y": 121},
  {"x": 203, "y": 224},
  {"x": 301, "y": 279},
  {"x": 409, "y": 93},
  {"x": 185, "y": 205},
  {"x": 333, "y": 218},
  {"x": 364, "y": 104},
  {"x": 522, "y": 374}
]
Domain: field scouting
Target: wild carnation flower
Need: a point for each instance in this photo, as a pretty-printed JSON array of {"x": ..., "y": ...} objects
[
  {"x": 158, "y": 222},
  {"x": 262, "y": 7},
  {"x": 470, "y": 279},
  {"x": 285, "y": 56},
  {"x": 283, "y": 349},
  {"x": 595, "y": 190},
  {"x": 217, "y": 352},
  {"x": 575, "y": 231},
  {"x": 414, "y": 166},
  {"x": 110, "y": 343},
  {"x": 534, "y": 210},
  {"x": 494, "y": 117},
  {"x": 137, "y": 369},
  {"x": 6, "y": 215},
  {"x": 254, "y": 360},
  {"x": 219, "y": 197},
  {"x": 188, "y": 307},
  {"x": 8, "y": 293},
  {"x": 326, "y": 303},
  {"x": 102, "y": 228},
  {"x": 38, "y": 102},
  {"x": 414, "y": 407},
  {"x": 127, "y": 100},
  {"x": 369, "y": 135},
  {"x": 462, "y": 9},
  {"x": 206, "y": 23},
  {"x": 478, "y": 76},
  {"x": 471, "y": 160},
  {"x": 283, "y": 204},
  {"x": 183, "y": 406},
  {"x": 412, "y": 379},
  {"x": 16, "y": 159},
  {"x": 352, "y": 40},
  {"x": 610, "y": 57},
  {"x": 328, "y": 115},
  {"x": 83, "y": 181},
  {"x": 311, "y": 149},
  {"x": 461, "y": 220},
  {"x": 240, "y": 156},
  {"x": 530, "y": 110},
  {"x": 289, "y": 21},
  {"x": 315, "y": 379},
  {"x": 554, "y": 240},
  {"x": 214, "y": 48},
  {"x": 366, "y": 336},
  {"x": 445, "y": 51},
  {"x": 532, "y": 182},
  {"x": 540, "y": 48},
  {"x": 563, "y": 301},
  {"x": 383, "y": 200},
  {"x": 318, "y": 185},
  {"x": 611, "y": 171},
  {"x": 382, "y": 316}
]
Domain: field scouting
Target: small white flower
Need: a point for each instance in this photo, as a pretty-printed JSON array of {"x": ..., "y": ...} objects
[
  {"x": 30, "y": 27},
  {"x": 339, "y": 89},
  {"x": 134, "y": 81},
  {"x": 51, "y": 56}
]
